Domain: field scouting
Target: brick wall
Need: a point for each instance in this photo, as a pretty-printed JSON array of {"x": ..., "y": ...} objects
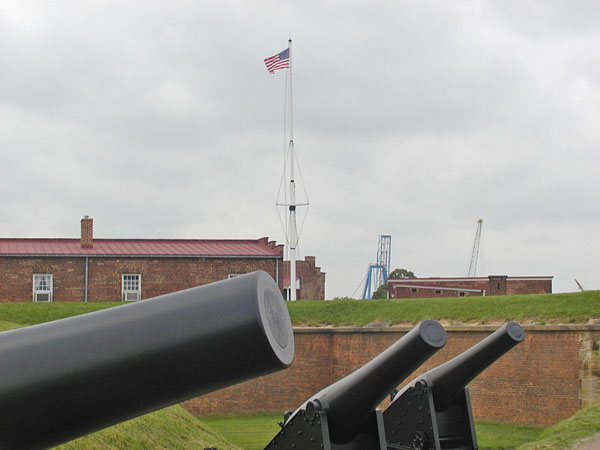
[
  {"x": 545, "y": 379},
  {"x": 493, "y": 285},
  {"x": 312, "y": 279},
  {"x": 284, "y": 390},
  {"x": 158, "y": 275},
  {"x": 528, "y": 287},
  {"x": 16, "y": 278},
  {"x": 438, "y": 291}
]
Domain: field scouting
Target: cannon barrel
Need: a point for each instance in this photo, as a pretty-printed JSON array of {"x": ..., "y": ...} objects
[
  {"x": 63, "y": 379},
  {"x": 447, "y": 380},
  {"x": 350, "y": 401}
]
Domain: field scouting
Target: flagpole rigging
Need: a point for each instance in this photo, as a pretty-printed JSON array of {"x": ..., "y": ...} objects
[{"x": 280, "y": 61}]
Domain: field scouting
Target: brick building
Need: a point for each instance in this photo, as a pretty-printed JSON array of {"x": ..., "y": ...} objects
[
  {"x": 467, "y": 286},
  {"x": 310, "y": 280},
  {"x": 89, "y": 269}
]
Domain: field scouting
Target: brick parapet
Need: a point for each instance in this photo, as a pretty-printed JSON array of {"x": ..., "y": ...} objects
[
  {"x": 545, "y": 379},
  {"x": 312, "y": 279}
]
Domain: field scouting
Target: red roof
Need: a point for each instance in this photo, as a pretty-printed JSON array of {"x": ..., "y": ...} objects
[{"x": 142, "y": 247}]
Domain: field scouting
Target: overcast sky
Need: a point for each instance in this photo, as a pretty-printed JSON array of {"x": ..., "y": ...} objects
[{"x": 411, "y": 118}]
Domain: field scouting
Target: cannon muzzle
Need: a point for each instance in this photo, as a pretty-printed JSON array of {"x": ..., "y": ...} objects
[
  {"x": 347, "y": 405},
  {"x": 447, "y": 380},
  {"x": 63, "y": 379},
  {"x": 434, "y": 410}
]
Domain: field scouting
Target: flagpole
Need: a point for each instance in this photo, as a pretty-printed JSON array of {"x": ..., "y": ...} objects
[
  {"x": 293, "y": 241},
  {"x": 291, "y": 92}
]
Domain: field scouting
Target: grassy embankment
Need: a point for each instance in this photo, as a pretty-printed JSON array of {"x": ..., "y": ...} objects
[
  {"x": 580, "y": 307},
  {"x": 169, "y": 428},
  {"x": 564, "y": 435}
]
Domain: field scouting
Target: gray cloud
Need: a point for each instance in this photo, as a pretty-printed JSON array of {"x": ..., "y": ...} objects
[{"x": 411, "y": 118}]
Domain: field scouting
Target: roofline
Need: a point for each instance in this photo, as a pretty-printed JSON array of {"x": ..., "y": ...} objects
[
  {"x": 92, "y": 255},
  {"x": 531, "y": 278},
  {"x": 438, "y": 288},
  {"x": 425, "y": 280},
  {"x": 133, "y": 239},
  {"x": 263, "y": 241}
]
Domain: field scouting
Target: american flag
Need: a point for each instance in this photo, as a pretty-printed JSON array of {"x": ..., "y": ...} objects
[{"x": 280, "y": 61}]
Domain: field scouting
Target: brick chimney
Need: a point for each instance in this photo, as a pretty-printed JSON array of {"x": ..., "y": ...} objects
[{"x": 87, "y": 232}]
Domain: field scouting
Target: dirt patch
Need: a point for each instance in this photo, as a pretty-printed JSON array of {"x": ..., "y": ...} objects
[{"x": 591, "y": 443}]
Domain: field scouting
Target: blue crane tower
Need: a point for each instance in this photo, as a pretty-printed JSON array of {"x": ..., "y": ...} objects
[{"x": 378, "y": 272}]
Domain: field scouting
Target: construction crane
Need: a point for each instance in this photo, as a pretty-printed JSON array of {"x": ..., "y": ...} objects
[
  {"x": 378, "y": 272},
  {"x": 475, "y": 252}
]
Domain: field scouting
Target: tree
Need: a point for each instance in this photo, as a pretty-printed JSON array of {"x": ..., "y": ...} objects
[
  {"x": 402, "y": 273},
  {"x": 380, "y": 292}
]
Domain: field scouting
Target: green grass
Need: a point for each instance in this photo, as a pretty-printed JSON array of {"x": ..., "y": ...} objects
[
  {"x": 4, "y": 326},
  {"x": 562, "y": 436},
  {"x": 500, "y": 436},
  {"x": 254, "y": 432},
  {"x": 577, "y": 307},
  {"x": 248, "y": 431},
  {"x": 169, "y": 428},
  {"x": 33, "y": 313}
]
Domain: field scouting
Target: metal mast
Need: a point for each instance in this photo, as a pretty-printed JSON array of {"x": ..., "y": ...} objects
[
  {"x": 384, "y": 254},
  {"x": 475, "y": 252},
  {"x": 292, "y": 230}
]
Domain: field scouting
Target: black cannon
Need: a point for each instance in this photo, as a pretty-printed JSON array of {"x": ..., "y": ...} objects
[
  {"x": 343, "y": 416},
  {"x": 63, "y": 379},
  {"x": 434, "y": 410}
]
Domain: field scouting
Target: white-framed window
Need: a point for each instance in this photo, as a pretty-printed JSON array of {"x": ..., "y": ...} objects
[
  {"x": 131, "y": 287},
  {"x": 413, "y": 290},
  {"x": 42, "y": 287}
]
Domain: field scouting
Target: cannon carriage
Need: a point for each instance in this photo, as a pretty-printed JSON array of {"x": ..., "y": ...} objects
[{"x": 432, "y": 412}]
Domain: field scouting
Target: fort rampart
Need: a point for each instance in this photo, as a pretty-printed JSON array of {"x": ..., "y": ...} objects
[{"x": 545, "y": 379}]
